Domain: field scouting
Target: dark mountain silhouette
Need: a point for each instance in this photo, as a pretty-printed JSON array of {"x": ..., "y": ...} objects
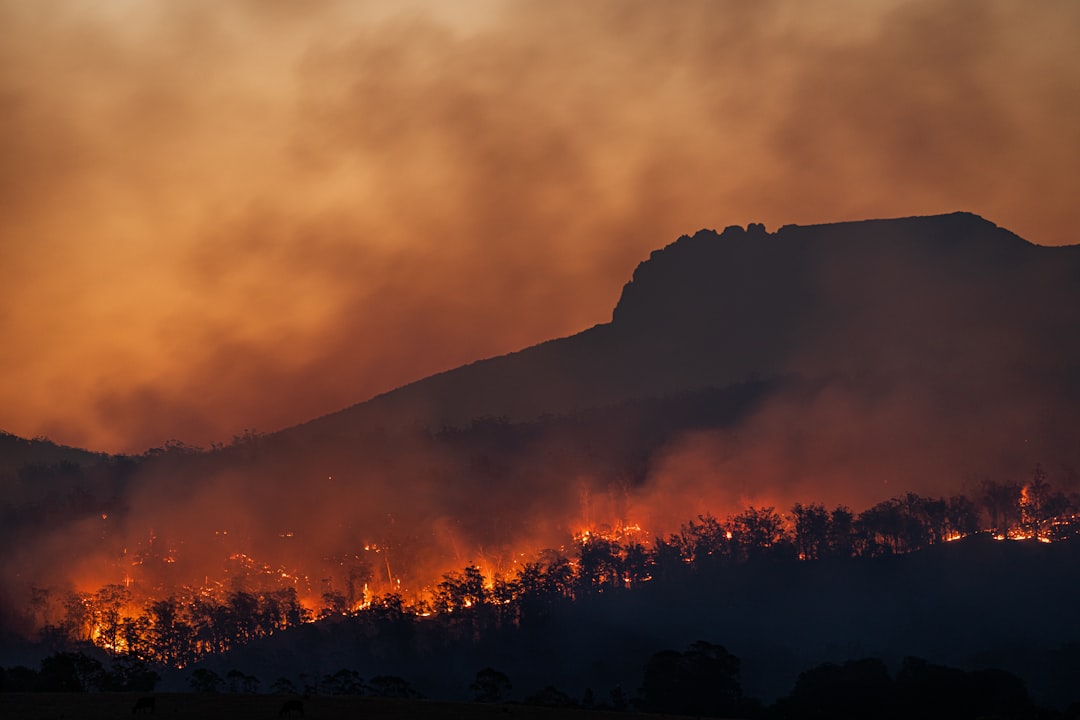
[{"x": 949, "y": 299}]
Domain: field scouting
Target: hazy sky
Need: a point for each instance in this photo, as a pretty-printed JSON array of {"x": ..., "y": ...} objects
[{"x": 227, "y": 215}]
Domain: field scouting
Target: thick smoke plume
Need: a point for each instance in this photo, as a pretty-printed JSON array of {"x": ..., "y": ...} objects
[{"x": 216, "y": 217}]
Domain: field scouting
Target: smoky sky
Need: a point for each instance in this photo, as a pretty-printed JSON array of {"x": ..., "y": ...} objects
[{"x": 225, "y": 216}]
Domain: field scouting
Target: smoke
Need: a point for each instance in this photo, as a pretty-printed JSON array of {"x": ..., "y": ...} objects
[
  {"x": 847, "y": 445},
  {"x": 216, "y": 218}
]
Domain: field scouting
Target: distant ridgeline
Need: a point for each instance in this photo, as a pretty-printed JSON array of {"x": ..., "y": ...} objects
[
  {"x": 970, "y": 326},
  {"x": 17, "y": 453}
]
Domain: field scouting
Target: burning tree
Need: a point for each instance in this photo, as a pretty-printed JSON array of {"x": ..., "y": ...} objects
[
  {"x": 756, "y": 530},
  {"x": 1001, "y": 501},
  {"x": 811, "y": 530}
]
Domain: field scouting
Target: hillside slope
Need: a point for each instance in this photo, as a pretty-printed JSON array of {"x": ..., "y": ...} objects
[{"x": 949, "y": 299}]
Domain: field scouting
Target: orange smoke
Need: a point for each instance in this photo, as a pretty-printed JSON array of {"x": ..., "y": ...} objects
[{"x": 201, "y": 202}]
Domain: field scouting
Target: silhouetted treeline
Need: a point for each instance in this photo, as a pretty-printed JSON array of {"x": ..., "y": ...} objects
[
  {"x": 703, "y": 681},
  {"x": 76, "y": 671},
  {"x": 861, "y": 689}
]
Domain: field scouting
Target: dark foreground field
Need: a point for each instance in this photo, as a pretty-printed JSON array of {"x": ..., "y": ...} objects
[{"x": 113, "y": 706}]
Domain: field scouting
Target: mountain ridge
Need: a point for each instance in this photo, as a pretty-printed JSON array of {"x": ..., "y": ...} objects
[
  {"x": 767, "y": 294},
  {"x": 702, "y": 288}
]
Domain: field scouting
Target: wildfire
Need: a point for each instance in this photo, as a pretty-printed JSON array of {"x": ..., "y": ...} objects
[
  {"x": 619, "y": 533},
  {"x": 156, "y": 611}
]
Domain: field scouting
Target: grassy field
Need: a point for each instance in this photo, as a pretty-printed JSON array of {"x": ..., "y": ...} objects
[{"x": 112, "y": 706}]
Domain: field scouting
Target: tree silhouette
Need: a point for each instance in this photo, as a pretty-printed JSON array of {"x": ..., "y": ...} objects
[
  {"x": 599, "y": 564},
  {"x": 240, "y": 682},
  {"x": 704, "y": 680},
  {"x": 841, "y": 533},
  {"x": 1001, "y": 502},
  {"x": 283, "y": 686},
  {"x": 666, "y": 684},
  {"x": 130, "y": 674},
  {"x": 882, "y": 529},
  {"x": 1033, "y": 500},
  {"x": 937, "y": 692},
  {"x": 461, "y": 590},
  {"x": 21, "y": 679},
  {"x": 756, "y": 530},
  {"x": 203, "y": 680},
  {"x": 704, "y": 542},
  {"x": 668, "y": 559},
  {"x": 558, "y": 574},
  {"x": 107, "y": 615},
  {"x": 962, "y": 515},
  {"x": 170, "y": 636},
  {"x": 636, "y": 565},
  {"x": 811, "y": 530},
  {"x": 392, "y": 686},
  {"x": 70, "y": 672},
  {"x": 343, "y": 682},
  {"x": 551, "y": 696},
  {"x": 855, "y": 690},
  {"x": 926, "y": 520},
  {"x": 334, "y": 603}
]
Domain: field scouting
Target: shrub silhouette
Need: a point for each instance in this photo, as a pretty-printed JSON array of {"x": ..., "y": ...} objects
[
  {"x": 856, "y": 689},
  {"x": 704, "y": 680}
]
